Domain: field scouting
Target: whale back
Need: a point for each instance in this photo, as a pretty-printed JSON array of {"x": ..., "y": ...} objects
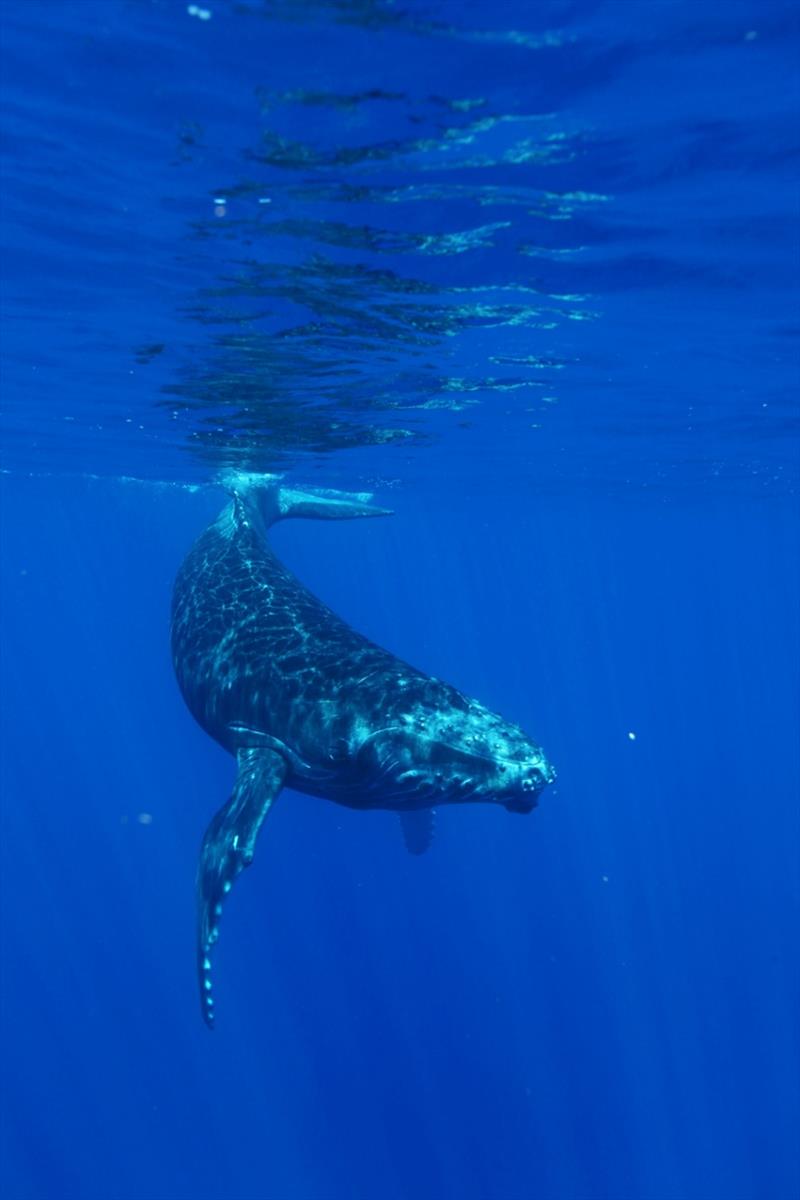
[{"x": 239, "y": 615}]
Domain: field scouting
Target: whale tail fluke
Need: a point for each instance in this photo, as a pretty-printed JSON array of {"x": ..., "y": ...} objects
[
  {"x": 328, "y": 505},
  {"x": 276, "y": 501},
  {"x": 418, "y": 826}
]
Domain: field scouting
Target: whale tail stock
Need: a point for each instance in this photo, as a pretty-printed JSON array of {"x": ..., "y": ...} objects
[{"x": 275, "y": 501}]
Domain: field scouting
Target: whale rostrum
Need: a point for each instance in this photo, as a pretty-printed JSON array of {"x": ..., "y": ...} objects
[{"x": 302, "y": 700}]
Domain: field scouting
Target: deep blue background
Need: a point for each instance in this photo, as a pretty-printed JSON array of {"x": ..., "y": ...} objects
[{"x": 599, "y": 1001}]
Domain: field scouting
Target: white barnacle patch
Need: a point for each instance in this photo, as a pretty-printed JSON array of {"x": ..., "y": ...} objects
[{"x": 361, "y": 732}]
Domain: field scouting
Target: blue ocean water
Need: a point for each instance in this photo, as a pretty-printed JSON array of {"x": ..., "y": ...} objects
[{"x": 529, "y": 272}]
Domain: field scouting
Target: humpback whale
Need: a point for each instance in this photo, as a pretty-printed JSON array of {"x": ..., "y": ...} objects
[{"x": 302, "y": 700}]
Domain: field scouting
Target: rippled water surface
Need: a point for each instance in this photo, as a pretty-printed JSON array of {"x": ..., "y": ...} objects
[{"x": 551, "y": 240}]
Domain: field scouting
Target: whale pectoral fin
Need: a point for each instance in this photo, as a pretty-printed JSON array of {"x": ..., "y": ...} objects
[
  {"x": 228, "y": 847},
  {"x": 418, "y": 825}
]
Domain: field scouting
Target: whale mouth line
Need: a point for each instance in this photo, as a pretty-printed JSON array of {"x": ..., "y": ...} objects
[{"x": 493, "y": 760}]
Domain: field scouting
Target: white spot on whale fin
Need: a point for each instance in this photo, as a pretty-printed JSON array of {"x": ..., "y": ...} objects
[
  {"x": 418, "y": 826},
  {"x": 228, "y": 847}
]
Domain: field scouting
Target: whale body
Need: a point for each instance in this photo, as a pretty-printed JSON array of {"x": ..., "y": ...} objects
[{"x": 302, "y": 700}]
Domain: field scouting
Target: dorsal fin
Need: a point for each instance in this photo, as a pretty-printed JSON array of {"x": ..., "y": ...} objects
[
  {"x": 418, "y": 825},
  {"x": 274, "y": 501}
]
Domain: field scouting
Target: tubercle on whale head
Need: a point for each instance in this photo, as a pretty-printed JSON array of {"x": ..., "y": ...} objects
[
  {"x": 434, "y": 756},
  {"x": 531, "y": 782}
]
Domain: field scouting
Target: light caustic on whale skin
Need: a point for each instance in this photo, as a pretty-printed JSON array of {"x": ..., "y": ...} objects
[{"x": 301, "y": 699}]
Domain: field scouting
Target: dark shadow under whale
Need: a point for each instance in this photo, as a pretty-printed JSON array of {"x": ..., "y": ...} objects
[{"x": 303, "y": 700}]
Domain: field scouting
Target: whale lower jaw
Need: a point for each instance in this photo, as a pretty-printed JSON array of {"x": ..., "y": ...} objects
[{"x": 395, "y": 795}]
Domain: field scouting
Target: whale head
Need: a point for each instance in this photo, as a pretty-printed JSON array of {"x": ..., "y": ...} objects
[{"x": 456, "y": 754}]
